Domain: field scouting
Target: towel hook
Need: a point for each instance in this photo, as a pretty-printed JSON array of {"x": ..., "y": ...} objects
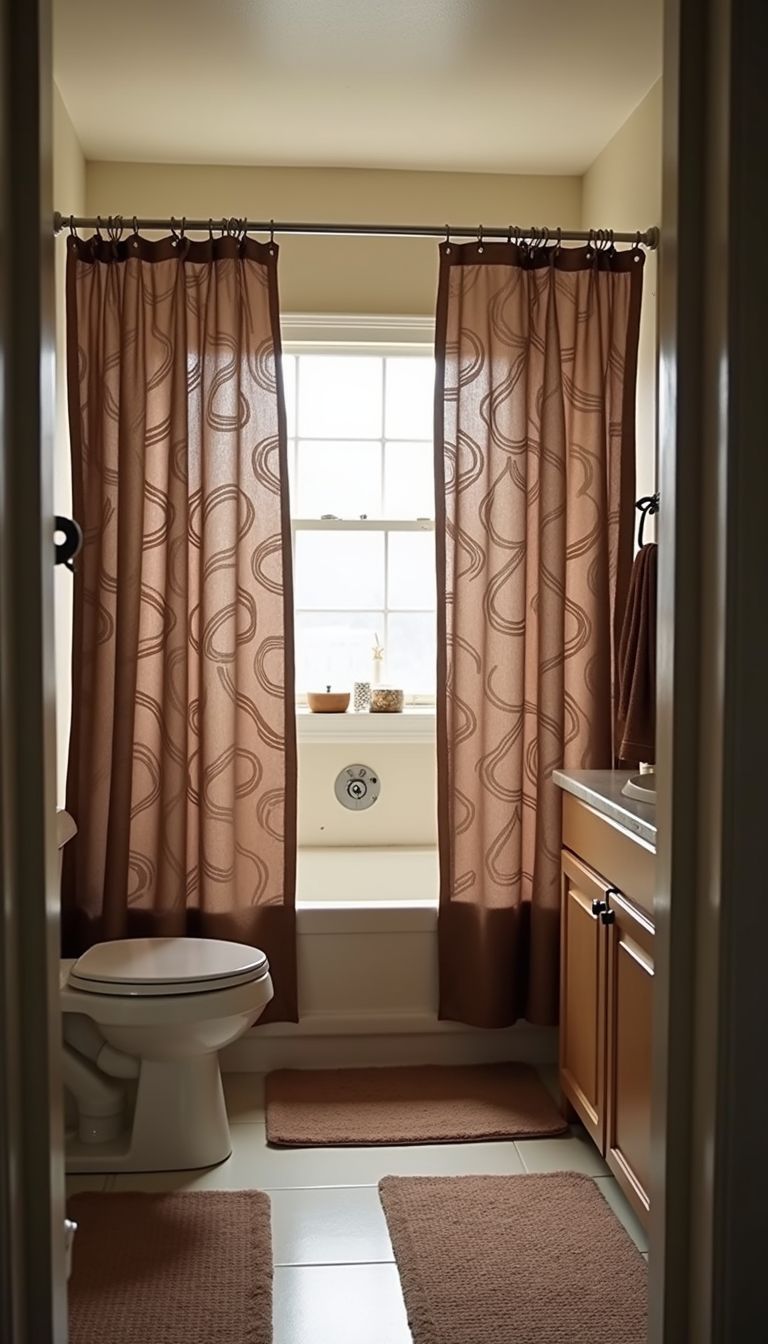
[{"x": 647, "y": 507}]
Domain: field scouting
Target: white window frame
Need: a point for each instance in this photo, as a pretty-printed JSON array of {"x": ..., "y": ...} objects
[{"x": 355, "y": 334}]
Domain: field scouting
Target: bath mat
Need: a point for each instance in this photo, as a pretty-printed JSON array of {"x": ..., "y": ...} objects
[
  {"x": 432, "y": 1104},
  {"x": 514, "y": 1260},
  {"x": 184, "y": 1268}
]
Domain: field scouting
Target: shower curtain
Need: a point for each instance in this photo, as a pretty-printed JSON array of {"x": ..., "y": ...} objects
[
  {"x": 182, "y": 765},
  {"x": 535, "y": 402}
]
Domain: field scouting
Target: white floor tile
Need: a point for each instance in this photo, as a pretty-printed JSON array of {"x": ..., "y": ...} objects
[
  {"x": 612, "y": 1191},
  {"x": 329, "y": 1227},
  {"x": 241, "y": 1171},
  {"x": 339, "y": 1304},
  {"x": 254, "y": 1165},
  {"x": 244, "y": 1095},
  {"x": 574, "y": 1153},
  {"x": 288, "y": 1168}
]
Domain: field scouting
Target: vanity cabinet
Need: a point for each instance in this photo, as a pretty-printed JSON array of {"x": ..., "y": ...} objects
[{"x": 606, "y": 991}]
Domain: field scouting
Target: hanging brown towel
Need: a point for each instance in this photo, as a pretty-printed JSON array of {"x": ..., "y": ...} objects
[{"x": 636, "y": 715}]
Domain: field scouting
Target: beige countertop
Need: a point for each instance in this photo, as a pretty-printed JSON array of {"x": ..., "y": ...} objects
[{"x": 601, "y": 789}]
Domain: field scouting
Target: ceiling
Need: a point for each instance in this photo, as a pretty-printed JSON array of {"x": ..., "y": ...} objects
[{"x": 464, "y": 85}]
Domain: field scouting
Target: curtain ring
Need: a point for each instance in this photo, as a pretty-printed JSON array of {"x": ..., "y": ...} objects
[
  {"x": 480, "y": 247},
  {"x": 72, "y": 229},
  {"x": 558, "y": 244},
  {"x": 174, "y": 233},
  {"x": 271, "y": 237},
  {"x": 99, "y": 222},
  {"x": 447, "y": 242},
  {"x": 590, "y": 245},
  {"x": 210, "y": 229}
]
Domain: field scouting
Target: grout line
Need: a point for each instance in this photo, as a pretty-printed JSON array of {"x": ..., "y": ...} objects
[{"x": 330, "y": 1264}]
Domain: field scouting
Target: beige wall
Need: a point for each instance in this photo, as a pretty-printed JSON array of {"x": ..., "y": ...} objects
[
  {"x": 622, "y": 190},
  {"x": 69, "y": 195},
  {"x": 340, "y": 275}
]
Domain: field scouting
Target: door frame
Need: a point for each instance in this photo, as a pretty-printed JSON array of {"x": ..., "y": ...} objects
[
  {"x": 32, "y": 1273},
  {"x": 708, "y": 1205}
]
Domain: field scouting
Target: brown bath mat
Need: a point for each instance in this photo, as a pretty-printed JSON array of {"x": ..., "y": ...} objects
[
  {"x": 514, "y": 1260},
  {"x": 186, "y": 1268},
  {"x": 433, "y": 1104}
]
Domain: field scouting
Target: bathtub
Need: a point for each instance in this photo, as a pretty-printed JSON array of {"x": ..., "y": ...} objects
[
  {"x": 366, "y": 923},
  {"x": 397, "y": 874}
]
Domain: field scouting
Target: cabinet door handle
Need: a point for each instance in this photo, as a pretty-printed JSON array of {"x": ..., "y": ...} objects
[
  {"x": 608, "y": 916},
  {"x": 598, "y": 907}
]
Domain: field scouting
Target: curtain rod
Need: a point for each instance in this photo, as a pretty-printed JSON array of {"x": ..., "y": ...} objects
[{"x": 642, "y": 238}]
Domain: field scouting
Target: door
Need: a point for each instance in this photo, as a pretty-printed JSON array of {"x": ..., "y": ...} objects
[
  {"x": 629, "y": 964},
  {"x": 582, "y": 995},
  {"x": 32, "y": 1284}
]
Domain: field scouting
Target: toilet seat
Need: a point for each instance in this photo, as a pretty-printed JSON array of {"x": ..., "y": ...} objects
[{"x": 151, "y": 967}]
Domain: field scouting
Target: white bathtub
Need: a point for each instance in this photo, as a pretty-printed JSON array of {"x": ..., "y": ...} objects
[
  {"x": 367, "y": 966},
  {"x": 396, "y": 873}
]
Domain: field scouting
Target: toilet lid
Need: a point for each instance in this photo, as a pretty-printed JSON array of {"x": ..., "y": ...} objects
[{"x": 152, "y": 966}]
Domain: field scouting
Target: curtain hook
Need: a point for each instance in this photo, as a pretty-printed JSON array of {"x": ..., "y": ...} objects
[
  {"x": 135, "y": 238},
  {"x": 72, "y": 229},
  {"x": 210, "y": 229},
  {"x": 447, "y": 242},
  {"x": 271, "y": 237},
  {"x": 99, "y": 222},
  {"x": 590, "y": 245},
  {"x": 559, "y": 243},
  {"x": 480, "y": 247}
]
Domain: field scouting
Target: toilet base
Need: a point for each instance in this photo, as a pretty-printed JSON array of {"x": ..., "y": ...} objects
[{"x": 179, "y": 1122}]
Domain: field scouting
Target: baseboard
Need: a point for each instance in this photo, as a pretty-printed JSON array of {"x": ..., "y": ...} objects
[{"x": 335, "y": 1040}]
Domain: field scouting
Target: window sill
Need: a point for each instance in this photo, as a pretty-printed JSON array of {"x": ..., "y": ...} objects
[{"x": 415, "y": 724}]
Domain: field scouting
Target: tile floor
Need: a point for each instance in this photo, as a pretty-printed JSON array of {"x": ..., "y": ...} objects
[{"x": 335, "y": 1277}]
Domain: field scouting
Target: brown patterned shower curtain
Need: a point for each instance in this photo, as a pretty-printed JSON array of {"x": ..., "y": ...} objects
[
  {"x": 182, "y": 767},
  {"x": 535, "y": 450}
]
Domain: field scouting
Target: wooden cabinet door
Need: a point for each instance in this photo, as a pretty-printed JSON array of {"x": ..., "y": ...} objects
[
  {"x": 582, "y": 996},
  {"x": 629, "y": 954}
]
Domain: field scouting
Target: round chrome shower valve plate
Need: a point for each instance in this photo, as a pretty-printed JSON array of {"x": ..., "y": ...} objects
[{"x": 357, "y": 787}]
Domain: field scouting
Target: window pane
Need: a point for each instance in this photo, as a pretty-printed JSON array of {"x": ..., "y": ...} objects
[
  {"x": 412, "y": 652},
  {"x": 335, "y": 648},
  {"x": 340, "y": 396},
  {"x": 409, "y": 482},
  {"x": 339, "y": 569},
  {"x": 410, "y": 397},
  {"x": 339, "y": 478},
  {"x": 411, "y": 569},
  {"x": 289, "y": 387}
]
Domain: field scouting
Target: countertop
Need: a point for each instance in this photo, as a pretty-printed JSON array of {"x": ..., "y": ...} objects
[{"x": 601, "y": 789}]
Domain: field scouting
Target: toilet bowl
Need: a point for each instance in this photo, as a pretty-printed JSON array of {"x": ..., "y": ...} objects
[
  {"x": 144, "y": 1019},
  {"x": 143, "y": 1022}
]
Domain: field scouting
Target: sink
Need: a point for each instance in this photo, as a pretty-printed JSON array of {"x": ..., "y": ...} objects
[{"x": 641, "y": 787}]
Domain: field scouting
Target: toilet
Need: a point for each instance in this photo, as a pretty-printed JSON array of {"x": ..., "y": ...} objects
[{"x": 143, "y": 1022}]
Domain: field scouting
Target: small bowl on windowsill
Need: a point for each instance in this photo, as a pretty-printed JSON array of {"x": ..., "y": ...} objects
[{"x": 328, "y": 701}]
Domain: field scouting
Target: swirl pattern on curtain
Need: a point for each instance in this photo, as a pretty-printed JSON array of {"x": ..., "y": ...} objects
[
  {"x": 182, "y": 768},
  {"x": 535, "y": 403}
]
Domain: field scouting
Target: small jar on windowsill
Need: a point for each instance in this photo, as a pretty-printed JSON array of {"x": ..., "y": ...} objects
[{"x": 387, "y": 700}]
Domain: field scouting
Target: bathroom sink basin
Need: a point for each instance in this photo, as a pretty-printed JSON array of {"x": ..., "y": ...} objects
[{"x": 641, "y": 787}]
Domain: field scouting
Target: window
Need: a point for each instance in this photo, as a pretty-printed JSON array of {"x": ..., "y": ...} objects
[{"x": 362, "y": 506}]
